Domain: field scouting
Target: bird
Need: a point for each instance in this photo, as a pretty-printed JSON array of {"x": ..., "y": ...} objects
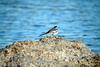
[{"x": 52, "y": 31}]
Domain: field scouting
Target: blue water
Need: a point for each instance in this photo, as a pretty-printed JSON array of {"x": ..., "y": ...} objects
[{"x": 22, "y": 20}]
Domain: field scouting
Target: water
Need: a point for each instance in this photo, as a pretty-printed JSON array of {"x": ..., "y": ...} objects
[{"x": 22, "y": 20}]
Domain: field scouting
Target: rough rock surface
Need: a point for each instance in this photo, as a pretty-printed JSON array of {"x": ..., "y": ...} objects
[{"x": 48, "y": 52}]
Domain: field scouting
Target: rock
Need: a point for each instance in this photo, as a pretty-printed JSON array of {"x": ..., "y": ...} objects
[{"x": 48, "y": 52}]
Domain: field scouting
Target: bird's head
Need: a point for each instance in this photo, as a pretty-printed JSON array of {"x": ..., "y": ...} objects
[{"x": 55, "y": 26}]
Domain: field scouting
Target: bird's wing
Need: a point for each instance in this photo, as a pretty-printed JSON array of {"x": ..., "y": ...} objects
[{"x": 51, "y": 29}]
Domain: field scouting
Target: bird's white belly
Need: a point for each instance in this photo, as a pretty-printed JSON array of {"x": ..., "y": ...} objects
[{"x": 54, "y": 32}]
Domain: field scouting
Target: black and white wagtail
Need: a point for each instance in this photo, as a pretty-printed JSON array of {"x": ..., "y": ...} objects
[{"x": 52, "y": 31}]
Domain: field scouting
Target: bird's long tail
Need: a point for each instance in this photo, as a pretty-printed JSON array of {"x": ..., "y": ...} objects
[{"x": 42, "y": 34}]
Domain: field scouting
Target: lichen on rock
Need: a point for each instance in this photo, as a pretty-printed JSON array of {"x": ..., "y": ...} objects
[{"x": 48, "y": 52}]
